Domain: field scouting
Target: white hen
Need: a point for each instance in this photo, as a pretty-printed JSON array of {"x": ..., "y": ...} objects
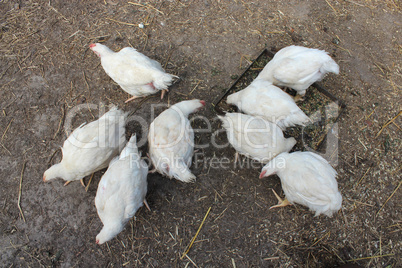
[
  {"x": 298, "y": 67},
  {"x": 263, "y": 99},
  {"x": 255, "y": 137},
  {"x": 136, "y": 74},
  {"x": 121, "y": 191},
  {"x": 171, "y": 140},
  {"x": 307, "y": 179},
  {"x": 90, "y": 147}
]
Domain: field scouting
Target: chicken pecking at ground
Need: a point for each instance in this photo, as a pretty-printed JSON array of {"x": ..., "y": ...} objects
[
  {"x": 255, "y": 137},
  {"x": 171, "y": 140},
  {"x": 307, "y": 179},
  {"x": 136, "y": 74},
  {"x": 121, "y": 191},
  {"x": 298, "y": 68},
  {"x": 265, "y": 100},
  {"x": 90, "y": 147}
]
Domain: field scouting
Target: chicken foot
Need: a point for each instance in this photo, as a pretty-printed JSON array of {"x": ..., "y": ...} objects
[
  {"x": 82, "y": 182},
  {"x": 281, "y": 202},
  {"x": 298, "y": 98},
  {"x": 146, "y": 204},
  {"x": 130, "y": 99}
]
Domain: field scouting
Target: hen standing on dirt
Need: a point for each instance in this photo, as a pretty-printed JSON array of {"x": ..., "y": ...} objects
[
  {"x": 307, "y": 179},
  {"x": 121, "y": 191},
  {"x": 171, "y": 140},
  {"x": 298, "y": 67},
  {"x": 90, "y": 148},
  {"x": 136, "y": 74},
  {"x": 263, "y": 99},
  {"x": 255, "y": 137}
]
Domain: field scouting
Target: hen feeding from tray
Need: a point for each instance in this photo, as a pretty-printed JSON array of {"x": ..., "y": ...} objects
[{"x": 319, "y": 105}]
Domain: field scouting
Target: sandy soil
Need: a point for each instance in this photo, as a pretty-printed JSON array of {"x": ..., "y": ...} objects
[{"x": 46, "y": 70}]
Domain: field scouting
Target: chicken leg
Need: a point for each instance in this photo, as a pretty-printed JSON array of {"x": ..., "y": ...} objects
[
  {"x": 130, "y": 99},
  {"x": 154, "y": 169},
  {"x": 163, "y": 92},
  {"x": 236, "y": 157},
  {"x": 298, "y": 98},
  {"x": 281, "y": 203},
  {"x": 82, "y": 182},
  {"x": 146, "y": 204}
]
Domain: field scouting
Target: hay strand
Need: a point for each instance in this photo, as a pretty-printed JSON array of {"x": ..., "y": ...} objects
[
  {"x": 389, "y": 197},
  {"x": 389, "y": 122},
  {"x": 271, "y": 258},
  {"x": 191, "y": 92},
  {"x": 4, "y": 147},
  {"x": 191, "y": 261},
  {"x": 63, "y": 116},
  {"x": 357, "y": 184},
  {"x": 20, "y": 191},
  {"x": 5, "y": 131},
  {"x": 327, "y": 234},
  {"x": 336, "y": 12},
  {"x": 147, "y": 6},
  {"x": 122, "y": 22},
  {"x": 196, "y": 234},
  {"x": 372, "y": 257},
  {"x": 89, "y": 182}
]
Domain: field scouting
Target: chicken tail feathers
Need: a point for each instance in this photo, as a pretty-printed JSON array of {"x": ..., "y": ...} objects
[
  {"x": 329, "y": 66},
  {"x": 181, "y": 172},
  {"x": 225, "y": 122},
  {"x": 290, "y": 142},
  {"x": 163, "y": 80},
  {"x": 232, "y": 98},
  {"x": 109, "y": 232},
  {"x": 297, "y": 118},
  {"x": 329, "y": 208}
]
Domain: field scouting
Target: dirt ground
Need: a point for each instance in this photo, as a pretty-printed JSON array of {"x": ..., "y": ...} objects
[{"x": 47, "y": 70}]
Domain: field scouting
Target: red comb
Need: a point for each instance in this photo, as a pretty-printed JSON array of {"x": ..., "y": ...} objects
[
  {"x": 92, "y": 45},
  {"x": 202, "y": 102}
]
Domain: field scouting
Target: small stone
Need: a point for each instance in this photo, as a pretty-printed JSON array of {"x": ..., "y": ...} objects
[
  {"x": 81, "y": 100},
  {"x": 141, "y": 25},
  {"x": 335, "y": 41}
]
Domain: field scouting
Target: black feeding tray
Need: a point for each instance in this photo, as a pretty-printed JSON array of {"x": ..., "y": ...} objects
[{"x": 321, "y": 106}]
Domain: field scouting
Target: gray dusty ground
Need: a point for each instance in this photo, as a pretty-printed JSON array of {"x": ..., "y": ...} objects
[{"x": 46, "y": 70}]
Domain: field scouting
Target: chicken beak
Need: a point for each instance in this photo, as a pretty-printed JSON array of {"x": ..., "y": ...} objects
[{"x": 262, "y": 175}]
